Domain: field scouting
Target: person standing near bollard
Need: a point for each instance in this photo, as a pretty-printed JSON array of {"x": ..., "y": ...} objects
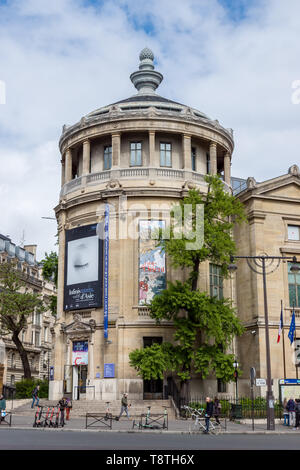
[
  {"x": 208, "y": 413},
  {"x": 124, "y": 406},
  {"x": 35, "y": 396}
]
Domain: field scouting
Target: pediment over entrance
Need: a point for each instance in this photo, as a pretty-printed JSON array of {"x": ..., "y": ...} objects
[{"x": 79, "y": 328}]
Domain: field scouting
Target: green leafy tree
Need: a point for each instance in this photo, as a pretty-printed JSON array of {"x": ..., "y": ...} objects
[
  {"x": 16, "y": 305},
  {"x": 50, "y": 273},
  {"x": 204, "y": 326}
]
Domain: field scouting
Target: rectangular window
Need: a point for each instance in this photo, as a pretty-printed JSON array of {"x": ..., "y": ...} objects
[
  {"x": 135, "y": 153},
  {"x": 294, "y": 286},
  {"x": 165, "y": 154},
  {"x": 149, "y": 340},
  {"x": 215, "y": 281},
  {"x": 193, "y": 159},
  {"x": 37, "y": 339},
  {"x": 107, "y": 157},
  {"x": 221, "y": 386},
  {"x": 293, "y": 232}
]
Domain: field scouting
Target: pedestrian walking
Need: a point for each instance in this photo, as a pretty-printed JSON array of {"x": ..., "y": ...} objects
[
  {"x": 68, "y": 408},
  {"x": 208, "y": 413},
  {"x": 2, "y": 407},
  {"x": 217, "y": 410},
  {"x": 124, "y": 405},
  {"x": 62, "y": 406},
  {"x": 292, "y": 413},
  {"x": 286, "y": 418},
  {"x": 35, "y": 396}
]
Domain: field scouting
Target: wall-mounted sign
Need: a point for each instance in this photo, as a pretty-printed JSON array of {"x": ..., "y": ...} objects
[
  {"x": 80, "y": 353},
  {"x": 83, "y": 268},
  {"x": 109, "y": 371},
  {"x": 106, "y": 258},
  {"x": 51, "y": 373},
  {"x": 260, "y": 382}
]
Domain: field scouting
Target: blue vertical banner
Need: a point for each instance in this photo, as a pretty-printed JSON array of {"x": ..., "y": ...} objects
[{"x": 106, "y": 257}]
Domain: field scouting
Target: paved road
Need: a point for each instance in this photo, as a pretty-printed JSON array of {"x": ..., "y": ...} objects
[{"x": 37, "y": 439}]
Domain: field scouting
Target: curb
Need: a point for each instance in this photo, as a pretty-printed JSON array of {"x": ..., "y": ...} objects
[{"x": 150, "y": 431}]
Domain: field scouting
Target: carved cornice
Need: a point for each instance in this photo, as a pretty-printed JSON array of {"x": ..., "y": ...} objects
[{"x": 108, "y": 122}]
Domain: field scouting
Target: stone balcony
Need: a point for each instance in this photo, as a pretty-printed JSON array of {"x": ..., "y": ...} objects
[{"x": 152, "y": 174}]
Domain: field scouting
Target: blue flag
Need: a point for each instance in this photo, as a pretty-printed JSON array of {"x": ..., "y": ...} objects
[{"x": 292, "y": 328}]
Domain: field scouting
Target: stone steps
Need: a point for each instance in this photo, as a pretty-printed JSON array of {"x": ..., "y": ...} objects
[{"x": 81, "y": 407}]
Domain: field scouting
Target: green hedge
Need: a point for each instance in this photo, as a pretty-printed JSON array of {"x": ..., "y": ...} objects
[{"x": 25, "y": 387}]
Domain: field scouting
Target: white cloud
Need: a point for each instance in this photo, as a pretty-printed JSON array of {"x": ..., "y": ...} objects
[{"x": 62, "y": 59}]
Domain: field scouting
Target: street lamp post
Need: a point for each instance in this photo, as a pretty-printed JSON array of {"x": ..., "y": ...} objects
[
  {"x": 235, "y": 365},
  {"x": 259, "y": 265}
]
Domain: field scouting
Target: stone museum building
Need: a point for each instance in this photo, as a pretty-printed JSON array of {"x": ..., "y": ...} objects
[{"x": 123, "y": 166}]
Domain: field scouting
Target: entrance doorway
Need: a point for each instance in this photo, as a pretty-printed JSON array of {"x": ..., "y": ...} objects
[
  {"x": 79, "y": 381},
  {"x": 153, "y": 389}
]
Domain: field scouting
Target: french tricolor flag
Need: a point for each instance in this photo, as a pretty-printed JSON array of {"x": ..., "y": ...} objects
[{"x": 280, "y": 326}]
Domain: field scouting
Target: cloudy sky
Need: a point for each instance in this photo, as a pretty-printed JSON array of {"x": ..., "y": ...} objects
[{"x": 235, "y": 60}]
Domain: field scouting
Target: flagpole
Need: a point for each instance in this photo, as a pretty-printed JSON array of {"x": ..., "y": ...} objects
[{"x": 283, "y": 347}]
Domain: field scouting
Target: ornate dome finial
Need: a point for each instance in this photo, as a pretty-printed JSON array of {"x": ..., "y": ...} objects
[
  {"x": 146, "y": 79},
  {"x": 146, "y": 53}
]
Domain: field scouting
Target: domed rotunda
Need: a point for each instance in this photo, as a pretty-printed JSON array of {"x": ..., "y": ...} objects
[{"x": 123, "y": 166}]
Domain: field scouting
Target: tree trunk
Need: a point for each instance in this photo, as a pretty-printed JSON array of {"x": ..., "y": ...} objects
[
  {"x": 195, "y": 274},
  {"x": 185, "y": 392},
  {"x": 23, "y": 355}
]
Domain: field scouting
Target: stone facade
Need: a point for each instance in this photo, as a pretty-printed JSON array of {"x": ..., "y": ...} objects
[
  {"x": 37, "y": 337},
  {"x": 144, "y": 152},
  {"x": 273, "y": 212}
]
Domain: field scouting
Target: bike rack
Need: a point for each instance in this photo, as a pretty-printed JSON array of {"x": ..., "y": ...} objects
[
  {"x": 6, "y": 419},
  {"x": 99, "y": 420},
  {"x": 154, "y": 421}
]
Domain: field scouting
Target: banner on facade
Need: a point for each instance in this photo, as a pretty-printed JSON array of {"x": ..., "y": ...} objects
[
  {"x": 83, "y": 268},
  {"x": 106, "y": 258},
  {"x": 80, "y": 353},
  {"x": 152, "y": 261}
]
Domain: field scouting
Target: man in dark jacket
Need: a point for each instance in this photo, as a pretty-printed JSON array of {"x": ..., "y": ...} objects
[
  {"x": 62, "y": 406},
  {"x": 208, "y": 413},
  {"x": 124, "y": 406},
  {"x": 292, "y": 413}
]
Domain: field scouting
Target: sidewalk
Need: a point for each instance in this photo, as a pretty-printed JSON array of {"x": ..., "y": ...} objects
[{"x": 179, "y": 426}]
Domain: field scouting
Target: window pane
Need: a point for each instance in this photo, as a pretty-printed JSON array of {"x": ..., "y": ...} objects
[
  {"x": 292, "y": 294},
  {"x": 293, "y": 232}
]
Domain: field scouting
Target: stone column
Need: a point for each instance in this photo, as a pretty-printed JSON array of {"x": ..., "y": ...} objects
[
  {"x": 227, "y": 164},
  {"x": 86, "y": 157},
  {"x": 116, "y": 149},
  {"x": 152, "y": 156},
  {"x": 68, "y": 165},
  {"x": 213, "y": 158},
  {"x": 63, "y": 172},
  {"x": 187, "y": 152}
]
